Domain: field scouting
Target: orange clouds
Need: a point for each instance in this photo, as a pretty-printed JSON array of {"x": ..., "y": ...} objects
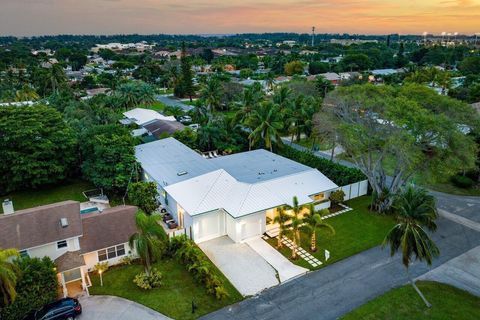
[{"x": 219, "y": 16}]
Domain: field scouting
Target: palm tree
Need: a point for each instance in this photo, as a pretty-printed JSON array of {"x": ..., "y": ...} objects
[
  {"x": 251, "y": 97},
  {"x": 8, "y": 276},
  {"x": 313, "y": 222},
  {"x": 266, "y": 123},
  {"x": 55, "y": 77},
  {"x": 295, "y": 225},
  {"x": 281, "y": 218},
  {"x": 415, "y": 210},
  {"x": 270, "y": 80},
  {"x": 149, "y": 240},
  {"x": 26, "y": 93},
  {"x": 209, "y": 135},
  {"x": 212, "y": 94}
]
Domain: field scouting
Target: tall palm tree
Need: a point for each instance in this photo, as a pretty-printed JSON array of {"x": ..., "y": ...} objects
[
  {"x": 209, "y": 135},
  {"x": 265, "y": 123},
  {"x": 313, "y": 222},
  {"x": 296, "y": 223},
  {"x": 8, "y": 276},
  {"x": 149, "y": 240},
  {"x": 26, "y": 93},
  {"x": 250, "y": 99},
  {"x": 211, "y": 93},
  {"x": 270, "y": 80},
  {"x": 56, "y": 76},
  {"x": 415, "y": 211},
  {"x": 281, "y": 218}
]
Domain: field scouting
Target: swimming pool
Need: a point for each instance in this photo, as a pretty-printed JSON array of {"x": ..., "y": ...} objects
[{"x": 88, "y": 210}]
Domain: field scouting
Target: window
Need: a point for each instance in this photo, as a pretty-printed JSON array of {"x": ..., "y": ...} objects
[
  {"x": 62, "y": 244},
  {"x": 319, "y": 196},
  {"x": 23, "y": 253},
  {"x": 111, "y": 252}
]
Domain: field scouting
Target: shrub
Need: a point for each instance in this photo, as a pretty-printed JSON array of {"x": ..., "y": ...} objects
[
  {"x": 148, "y": 282},
  {"x": 197, "y": 264},
  {"x": 127, "y": 260},
  {"x": 339, "y": 174},
  {"x": 462, "y": 181},
  {"x": 337, "y": 196},
  {"x": 101, "y": 267},
  {"x": 37, "y": 285}
]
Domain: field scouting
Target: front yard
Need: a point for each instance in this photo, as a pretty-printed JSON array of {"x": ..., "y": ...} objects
[
  {"x": 355, "y": 231},
  {"x": 173, "y": 299},
  {"x": 404, "y": 303}
]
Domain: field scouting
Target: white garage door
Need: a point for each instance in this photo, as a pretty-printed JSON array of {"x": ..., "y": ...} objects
[
  {"x": 208, "y": 226},
  {"x": 251, "y": 226}
]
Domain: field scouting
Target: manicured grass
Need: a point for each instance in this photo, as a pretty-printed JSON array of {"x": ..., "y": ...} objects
[
  {"x": 70, "y": 190},
  {"x": 308, "y": 143},
  {"x": 157, "y": 106},
  {"x": 404, "y": 303},
  {"x": 173, "y": 299},
  {"x": 355, "y": 231}
]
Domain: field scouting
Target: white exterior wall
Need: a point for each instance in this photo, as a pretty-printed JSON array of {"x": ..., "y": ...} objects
[
  {"x": 91, "y": 258},
  {"x": 50, "y": 249}
]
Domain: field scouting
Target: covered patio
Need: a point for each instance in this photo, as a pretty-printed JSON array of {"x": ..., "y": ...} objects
[{"x": 72, "y": 274}]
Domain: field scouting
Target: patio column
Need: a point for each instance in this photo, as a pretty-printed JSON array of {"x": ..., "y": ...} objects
[
  {"x": 84, "y": 283},
  {"x": 64, "y": 286}
]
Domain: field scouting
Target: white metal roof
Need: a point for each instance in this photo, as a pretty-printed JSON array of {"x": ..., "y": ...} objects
[
  {"x": 168, "y": 161},
  {"x": 219, "y": 190},
  {"x": 141, "y": 116},
  {"x": 240, "y": 184}
]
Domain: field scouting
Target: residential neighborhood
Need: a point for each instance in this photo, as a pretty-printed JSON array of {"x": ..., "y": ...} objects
[{"x": 197, "y": 161}]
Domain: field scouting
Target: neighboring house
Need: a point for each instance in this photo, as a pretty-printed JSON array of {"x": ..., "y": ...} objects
[
  {"x": 333, "y": 77},
  {"x": 158, "y": 128},
  {"x": 141, "y": 116},
  {"x": 75, "y": 241},
  {"x": 235, "y": 195}
]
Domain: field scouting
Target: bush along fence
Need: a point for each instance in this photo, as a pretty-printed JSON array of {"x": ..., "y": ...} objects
[
  {"x": 196, "y": 263},
  {"x": 339, "y": 174}
]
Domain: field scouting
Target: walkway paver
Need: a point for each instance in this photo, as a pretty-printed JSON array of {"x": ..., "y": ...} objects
[
  {"x": 314, "y": 262},
  {"x": 286, "y": 269},
  {"x": 248, "y": 271},
  {"x": 462, "y": 272},
  {"x": 109, "y": 307}
]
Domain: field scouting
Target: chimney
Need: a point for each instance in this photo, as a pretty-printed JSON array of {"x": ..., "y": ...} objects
[
  {"x": 7, "y": 206},
  {"x": 64, "y": 222}
]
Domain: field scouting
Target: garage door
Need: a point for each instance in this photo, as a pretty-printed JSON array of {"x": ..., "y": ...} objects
[
  {"x": 208, "y": 226},
  {"x": 251, "y": 226}
]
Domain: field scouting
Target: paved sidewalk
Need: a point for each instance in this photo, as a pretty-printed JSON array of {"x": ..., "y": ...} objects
[
  {"x": 462, "y": 272},
  {"x": 110, "y": 307},
  {"x": 286, "y": 269},
  {"x": 246, "y": 269}
]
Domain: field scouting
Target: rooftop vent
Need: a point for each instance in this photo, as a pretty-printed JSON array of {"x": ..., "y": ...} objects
[
  {"x": 64, "y": 222},
  {"x": 7, "y": 206},
  {"x": 181, "y": 173}
]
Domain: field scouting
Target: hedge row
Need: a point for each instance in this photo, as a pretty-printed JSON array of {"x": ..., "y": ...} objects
[{"x": 338, "y": 173}]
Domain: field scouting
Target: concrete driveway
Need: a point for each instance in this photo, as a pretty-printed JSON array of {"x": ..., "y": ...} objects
[
  {"x": 109, "y": 307},
  {"x": 462, "y": 272},
  {"x": 244, "y": 267},
  {"x": 286, "y": 269}
]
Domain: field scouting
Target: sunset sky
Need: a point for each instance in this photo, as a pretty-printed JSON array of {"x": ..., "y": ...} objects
[{"x": 36, "y": 17}]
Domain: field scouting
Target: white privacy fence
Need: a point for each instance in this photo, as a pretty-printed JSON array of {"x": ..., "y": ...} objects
[{"x": 355, "y": 190}]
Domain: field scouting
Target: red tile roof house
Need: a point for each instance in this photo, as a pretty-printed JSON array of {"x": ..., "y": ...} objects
[{"x": 75, "y": 241}]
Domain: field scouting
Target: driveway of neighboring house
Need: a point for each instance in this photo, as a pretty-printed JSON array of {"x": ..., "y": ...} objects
[
  {"x": 246, "y": 269},
  {"x": 462, "y": 272},
  {"x": 109, "y": 307},
  {"x": 286, "y": 269}
]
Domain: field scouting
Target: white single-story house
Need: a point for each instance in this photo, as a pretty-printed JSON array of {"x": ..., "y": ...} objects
[
  {"x": 235, "y": 195},
  {"x": 140, "y": 116},
  {"x": 75, "y": 241}
]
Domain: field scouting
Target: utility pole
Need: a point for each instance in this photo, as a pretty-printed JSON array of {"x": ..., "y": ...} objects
[{"x": 313, "y": 36}]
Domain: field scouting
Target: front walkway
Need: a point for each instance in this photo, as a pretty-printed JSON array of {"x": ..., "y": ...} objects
[
  {"x": 109, "y": 307},
  {"x": 286, "y": 270},
  {"x": 244, "y": 267}
]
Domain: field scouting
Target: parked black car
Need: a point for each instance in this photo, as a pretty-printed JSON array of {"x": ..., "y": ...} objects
[{"x": 63, "y": 309}]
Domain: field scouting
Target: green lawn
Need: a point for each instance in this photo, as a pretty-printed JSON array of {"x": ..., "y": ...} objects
[
  {"x": 157, "y": 106},
  {"x": 308, "y": 143},
  {"x": 70, "y": 190},
  {"x": 355, "y": 231},
  {"x": 404, "y": 303},
  {"x": 173, "y": 299}
]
